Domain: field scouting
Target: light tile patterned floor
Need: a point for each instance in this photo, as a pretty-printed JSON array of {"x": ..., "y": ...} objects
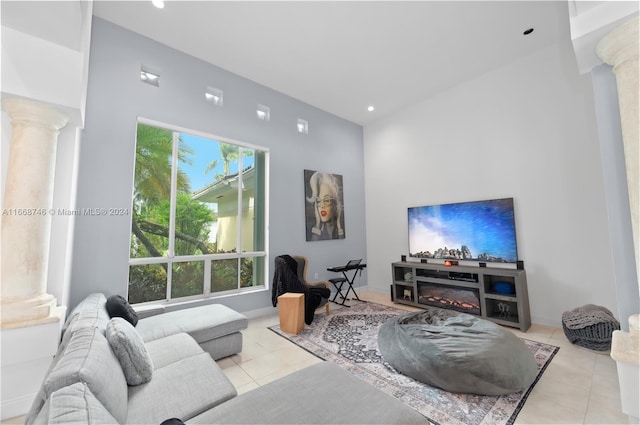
[{"x": 580, "y": 386}]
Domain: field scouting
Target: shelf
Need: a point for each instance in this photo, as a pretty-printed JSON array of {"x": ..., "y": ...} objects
[
  {"x": 502, "y": 293},
  {"x": 502, "y": 320},
  {"x": 449, "y": 282},
  {"x": 404, "y": 294},
  {"x": 501, "y": 297}
]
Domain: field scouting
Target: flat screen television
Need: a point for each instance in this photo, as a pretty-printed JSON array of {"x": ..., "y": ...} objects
[{"x": 483, "y": 231}]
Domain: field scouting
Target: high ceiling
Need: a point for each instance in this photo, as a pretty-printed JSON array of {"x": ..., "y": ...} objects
[{"x": 343, "y": 56}]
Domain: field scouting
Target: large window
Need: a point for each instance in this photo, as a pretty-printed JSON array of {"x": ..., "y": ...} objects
[{"x": 199, "y": 213}]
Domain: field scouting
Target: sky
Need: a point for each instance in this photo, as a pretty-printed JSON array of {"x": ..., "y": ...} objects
[{"x": 204, "y": 151}]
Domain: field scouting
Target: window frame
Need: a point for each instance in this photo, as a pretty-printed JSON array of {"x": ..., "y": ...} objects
[{"x": 171, "y": 258}]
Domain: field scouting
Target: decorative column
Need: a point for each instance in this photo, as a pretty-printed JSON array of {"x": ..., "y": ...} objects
[
  {"x": 26, "y": 216},
  {"x": 620, "y": 49}
]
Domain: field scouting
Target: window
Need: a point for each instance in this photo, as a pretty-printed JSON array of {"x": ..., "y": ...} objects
[{"x": 199, "y": 216}]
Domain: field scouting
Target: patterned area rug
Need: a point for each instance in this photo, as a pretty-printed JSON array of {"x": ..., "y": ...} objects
[{"x": 348, "y": 337}]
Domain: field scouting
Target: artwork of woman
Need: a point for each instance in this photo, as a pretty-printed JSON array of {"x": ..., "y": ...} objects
[{"x": 325, "y": 210}]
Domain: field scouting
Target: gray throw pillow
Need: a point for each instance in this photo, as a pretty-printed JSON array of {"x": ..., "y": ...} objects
[{"x": 129, "y": 348}]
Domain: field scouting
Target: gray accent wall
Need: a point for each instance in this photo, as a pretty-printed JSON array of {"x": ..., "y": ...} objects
[{"x": 116, "y": 98}]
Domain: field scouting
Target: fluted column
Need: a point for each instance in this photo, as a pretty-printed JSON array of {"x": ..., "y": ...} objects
[
  {"x": 620, "y": 49},
  {"x": 26, "y": 217}
]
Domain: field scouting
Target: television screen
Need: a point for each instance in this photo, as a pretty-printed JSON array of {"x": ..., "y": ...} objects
[{"x": 477, "y": 231}]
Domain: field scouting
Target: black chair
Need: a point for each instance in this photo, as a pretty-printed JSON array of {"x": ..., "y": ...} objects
[{"x": 302, "y": 275}]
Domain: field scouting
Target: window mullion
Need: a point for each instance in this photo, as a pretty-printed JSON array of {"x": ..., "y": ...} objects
[
  {"x": 169, "y": 278},
  {"x": 172, "y": 208},
  {"x": 206, "y": 290},
  {"x": 239, "y": 223}
]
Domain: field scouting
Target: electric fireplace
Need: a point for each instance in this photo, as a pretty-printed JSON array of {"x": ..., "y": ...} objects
[{"x": 458, "y": 298}]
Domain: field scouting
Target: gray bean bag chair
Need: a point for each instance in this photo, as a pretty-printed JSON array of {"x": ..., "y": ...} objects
[{"x": 457, "y": 352}]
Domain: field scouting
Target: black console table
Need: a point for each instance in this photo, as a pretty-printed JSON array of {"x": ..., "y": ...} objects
[{"x": 338, "y": 282}]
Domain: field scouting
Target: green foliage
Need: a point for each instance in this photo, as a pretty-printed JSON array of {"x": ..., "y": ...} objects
[
  {"x": 229, "y": 153},
  {"x": 154, "y": 149},
  {"x": 147, "y": 283},
  {"x": 193, "y": 219},
  {"x": 187, "y": 279},
  {"x": 224, "y": 275}
]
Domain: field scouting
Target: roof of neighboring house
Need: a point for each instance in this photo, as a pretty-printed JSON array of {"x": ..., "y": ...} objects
[{"x": 214, "y": 192}]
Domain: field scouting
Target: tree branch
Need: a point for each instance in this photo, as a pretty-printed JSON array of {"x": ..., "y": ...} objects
[
  {"x": 156, "y": 229},
  {"x": 145, "y": 241}
]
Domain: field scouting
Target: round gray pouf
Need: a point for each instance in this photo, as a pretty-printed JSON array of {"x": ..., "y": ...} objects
[{"x": 457, "y": 352}]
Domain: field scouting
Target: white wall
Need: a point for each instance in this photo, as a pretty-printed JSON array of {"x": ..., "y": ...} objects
[{"x": 526, "y": 131}]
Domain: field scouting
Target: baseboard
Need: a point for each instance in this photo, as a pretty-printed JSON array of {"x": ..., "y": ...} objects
[
  {"x": 261, "y": 312},
  {"x": 17, "y": 406},
  {"x": 545, "y": 321}
]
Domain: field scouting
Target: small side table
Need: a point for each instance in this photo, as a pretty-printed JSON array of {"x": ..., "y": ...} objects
[{"x": 291, "y": 312}]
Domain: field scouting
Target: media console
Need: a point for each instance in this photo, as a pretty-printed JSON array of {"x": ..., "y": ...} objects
[{"x": 493, "y": 293}]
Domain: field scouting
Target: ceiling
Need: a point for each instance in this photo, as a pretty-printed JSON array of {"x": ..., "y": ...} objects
[{"x": 343, "y": 56}]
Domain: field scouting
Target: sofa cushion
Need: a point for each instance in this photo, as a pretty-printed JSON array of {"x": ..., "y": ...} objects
[
  {"x": 130, "y": 350},
  {"x": 39, "y": 400},
  {"x": 88, "y": 358},
  {"x": 295, "y": 399},
  {"x": 117, "y": 306},
  {"x": 74, "y": 404},
  {"x": 86, "y": 319},
  {"x": 181, "y": 389},
  {"x": 91, "y": 312},
  {"x": 171, "y": 349},
  {"x": 223, "y": 346},
  {"x": 203, "y": 323},
  {"x": 91, "y": 302}
]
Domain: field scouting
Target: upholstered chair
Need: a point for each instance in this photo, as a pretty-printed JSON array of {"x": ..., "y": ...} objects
[{"x": 302, "y": 274}]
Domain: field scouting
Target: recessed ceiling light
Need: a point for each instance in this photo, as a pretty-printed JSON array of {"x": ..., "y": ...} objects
[
  {"x": 527, "y": 32},
  {"x": 370, "y": 108},
  {"x": 158, "y": 3}
]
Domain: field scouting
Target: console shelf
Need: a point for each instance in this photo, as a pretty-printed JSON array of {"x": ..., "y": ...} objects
[{"x": 495, "y": 294}]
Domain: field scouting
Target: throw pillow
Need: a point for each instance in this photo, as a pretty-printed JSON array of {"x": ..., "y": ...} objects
[
  {"x": 129, "y": 348},
  {"x": 172, "y": 421},
  {"x": 117, "y": 306}
]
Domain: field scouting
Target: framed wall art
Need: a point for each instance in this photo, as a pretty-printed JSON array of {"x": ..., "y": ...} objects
[{"x": 324, "y": 206}]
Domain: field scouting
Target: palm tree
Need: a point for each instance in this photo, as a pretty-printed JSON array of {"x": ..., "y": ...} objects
[
  {"x": 229, "y": 153},
  {"x": 154, "y": 148}
]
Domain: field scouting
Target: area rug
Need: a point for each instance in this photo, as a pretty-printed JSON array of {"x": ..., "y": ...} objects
[{"x": 348, "y": 337}]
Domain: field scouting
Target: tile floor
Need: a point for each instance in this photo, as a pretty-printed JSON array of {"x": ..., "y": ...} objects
[{"x": 580, "y": 386}]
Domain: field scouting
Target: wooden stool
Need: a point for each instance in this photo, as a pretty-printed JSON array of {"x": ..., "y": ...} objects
[{"x": 291, "y": 312}]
